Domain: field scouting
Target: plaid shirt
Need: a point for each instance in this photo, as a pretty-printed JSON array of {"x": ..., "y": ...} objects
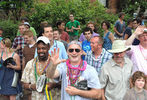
[
  {"x": 97, "y": 63},
  {"x": 19, "y": 40}
]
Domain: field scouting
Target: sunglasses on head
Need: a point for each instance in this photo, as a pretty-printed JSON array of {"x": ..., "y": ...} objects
[{"x": 76, "y": 50}]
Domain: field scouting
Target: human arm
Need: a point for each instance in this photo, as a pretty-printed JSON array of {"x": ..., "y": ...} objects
[
  {"x": 52, "y": 72},
  {"x": 29, "y": 86},
  {"x": 126, "y": 36},
  {"x": 137, "y": 32},
  {"x": 17, "y": 61},
  {"x": 76, "y": 28},
  {"x": 103, "y": 94},
  {"x": 115, "y": 30},
  {"x": 111, "y": 37},
  {"x": 93, "y": 93}
]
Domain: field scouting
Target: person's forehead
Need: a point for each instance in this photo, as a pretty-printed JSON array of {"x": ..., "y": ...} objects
[
  {"x": 74, "y": 46},
  {"x": 48, "y": 28}
]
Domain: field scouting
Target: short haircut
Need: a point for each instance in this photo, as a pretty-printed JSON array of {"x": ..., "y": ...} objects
[
  {"x": 59, "y": 23},
  {"x": 107, "y": 24},
  {"x": 138, "y": 20},
  {"x": 100, "y": 41},
  {"x": 138, "y": 75},
  {"x": 74, "y": 42},
  {"x": 87, "y": 29},
  {"x": 21, "y": 25},
  {"x": 28, "y": 33},
  {"x": 121, "y": 14},
  {"x": 129, "y": 21},
  {"x": 46, "y": 27},
  {"x": 24, "y": 18}
]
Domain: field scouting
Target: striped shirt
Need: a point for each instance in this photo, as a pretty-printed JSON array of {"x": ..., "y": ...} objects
[{"x": 97, "y": 63}]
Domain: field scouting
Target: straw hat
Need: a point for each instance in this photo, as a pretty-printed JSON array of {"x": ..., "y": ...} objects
[{"x": 118, "y": 46}]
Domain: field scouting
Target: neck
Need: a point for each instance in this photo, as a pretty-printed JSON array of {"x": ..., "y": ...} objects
[
  {"x": 138, "y": 89},
  {"x": 51, "y": 42},
  {"x": 144, "y": 45},
  {"x": 106, "y": 31},
  {"x": 97, "y": 52},
  {"x": 121, "y": 64},
  {"x": 32, "y": 42},
  {"x": 75, "y": 63},
  {"x": 43, "y": 59}
]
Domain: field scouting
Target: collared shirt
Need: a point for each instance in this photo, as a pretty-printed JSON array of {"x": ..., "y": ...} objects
[
  {"x": 88, "y": 74},
  {"x": 97, "y": 63},
  {"x": 115, "y": 79},
  {"x": 28, "y": 76},
  {"x": 19, "y": 41},
  {"x": 138, "y": 55}
]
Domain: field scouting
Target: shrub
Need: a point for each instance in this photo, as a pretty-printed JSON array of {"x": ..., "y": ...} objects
[{"x": 10, "y": 29}]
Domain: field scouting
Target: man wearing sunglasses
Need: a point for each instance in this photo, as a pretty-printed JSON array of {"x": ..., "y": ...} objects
[{"x": 78, "y": 78}]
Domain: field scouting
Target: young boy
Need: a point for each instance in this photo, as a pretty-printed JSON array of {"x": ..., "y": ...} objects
[
  {"x": 86, "y": 44},
  {"x": 137, "y": 92}
]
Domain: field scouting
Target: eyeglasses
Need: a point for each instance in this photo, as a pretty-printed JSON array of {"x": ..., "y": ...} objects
[{"x": 76, "y": 50}]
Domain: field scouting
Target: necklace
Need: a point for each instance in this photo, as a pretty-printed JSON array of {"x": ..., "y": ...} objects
[
  {"x": 37, "y": 71},
  {"x": 74, "y": 72}
]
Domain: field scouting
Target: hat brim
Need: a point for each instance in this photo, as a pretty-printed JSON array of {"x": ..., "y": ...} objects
[{"x": 119, "y": 50}]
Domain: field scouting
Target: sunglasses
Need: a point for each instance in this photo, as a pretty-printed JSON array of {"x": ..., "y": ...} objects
[{"x": 76, "y": 50}]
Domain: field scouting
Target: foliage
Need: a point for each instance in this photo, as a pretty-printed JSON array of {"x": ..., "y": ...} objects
[
  {"x": 14, "y": 8},
  {"x": 9, "y": 27},
  {"x": 83, "y": 11},
  {"x": 130, "y": 6}
]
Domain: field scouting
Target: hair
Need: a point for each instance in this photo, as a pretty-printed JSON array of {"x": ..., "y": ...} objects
[
  {"x": 59, "y": 31},
  {"x": 24, "y": 18},
  {"x": 1, "y": 28},
  {"x": 101, "y": 41},
  {"x": 46, "y": 27},
  {"x": 121, "y": 14},
  {"x": 138, "y": 75},
  {"x": 74, "y": 42},
  {"x": 43, "y": 24},
  {"x": 87, "y": 29},
  {"x": 21, "y": 25},
  {"x": 59, "y": 23},
  {"x": 138, "y": 20},
  {"x": 107, "y": 24},
  {"x": 28, "y": 33},
  {"x": 7, "y": 42},
  {"x": 129, "y": 21}
]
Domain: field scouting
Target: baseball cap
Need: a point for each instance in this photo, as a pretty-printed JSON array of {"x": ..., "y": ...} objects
[{"x": 43, "y": 39}]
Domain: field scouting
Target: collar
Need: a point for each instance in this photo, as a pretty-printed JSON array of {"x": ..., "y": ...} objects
[{"x": 113, "y": 63}]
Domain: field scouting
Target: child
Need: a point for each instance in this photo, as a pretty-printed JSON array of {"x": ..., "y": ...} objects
[{"x": 137, "y": 92}]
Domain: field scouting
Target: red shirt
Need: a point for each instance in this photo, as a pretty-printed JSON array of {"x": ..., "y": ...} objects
[{"x": 64, "y": 36}]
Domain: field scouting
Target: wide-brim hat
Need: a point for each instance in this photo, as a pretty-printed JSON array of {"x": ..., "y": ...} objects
[{"x": 119, "y": 46}]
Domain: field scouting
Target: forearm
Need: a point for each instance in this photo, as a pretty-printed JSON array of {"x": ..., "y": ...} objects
[
  {"x": 29, "y": 86},
  {"x": 93, "y": 93},
  {"x": 103, "y": 94},
  {"x": 51, "y": 71},
  {"x": 130, "y": 40}
]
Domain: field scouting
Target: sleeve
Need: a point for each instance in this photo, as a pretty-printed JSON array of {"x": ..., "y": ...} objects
[
  {"x": 60, "y": 68},
  {"x": 81, "y": 37},
  {"x": 33, "y": 30},
  {"x": 78, "y": 23},
  {"x": 14, "y": 45},
  {"x": 18, "y": 33},
  {"x": 93, "y": 80},
  {"x": 116, "y": 24},
  {"x": 64, "y": 54},
  {"x": 103, "y": 77},
  {"x": 26, "y": 73}
]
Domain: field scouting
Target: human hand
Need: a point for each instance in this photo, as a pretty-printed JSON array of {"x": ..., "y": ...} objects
[
  {"x": 18, "y": 47},
  {"x": 33, "y": 87},
  {"x": 139, "y": 30},
  {"x": 55, "y": 57},
  {"x": 72, "y": 90},
  {"x": 10, "y": 66}
]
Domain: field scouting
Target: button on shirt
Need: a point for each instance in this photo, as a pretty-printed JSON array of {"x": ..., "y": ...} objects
[{"x": 115, "y": 79}]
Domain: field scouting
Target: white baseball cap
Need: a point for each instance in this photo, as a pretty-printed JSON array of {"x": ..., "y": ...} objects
[{"x": 43, "y": 39}]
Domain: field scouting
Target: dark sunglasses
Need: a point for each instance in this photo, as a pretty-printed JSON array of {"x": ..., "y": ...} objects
[{"x": 76, "y": 50}]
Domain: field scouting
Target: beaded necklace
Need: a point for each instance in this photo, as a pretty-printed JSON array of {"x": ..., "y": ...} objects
[
  {"x": 37, "y": 71},
  {"x": 74, "y": 72}
]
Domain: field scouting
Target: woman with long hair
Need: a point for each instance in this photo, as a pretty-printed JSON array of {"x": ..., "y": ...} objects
[{"x": 9, "y": 65}]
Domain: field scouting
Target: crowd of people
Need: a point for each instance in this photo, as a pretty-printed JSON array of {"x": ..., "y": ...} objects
[{"x": 57, "y": 65}]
